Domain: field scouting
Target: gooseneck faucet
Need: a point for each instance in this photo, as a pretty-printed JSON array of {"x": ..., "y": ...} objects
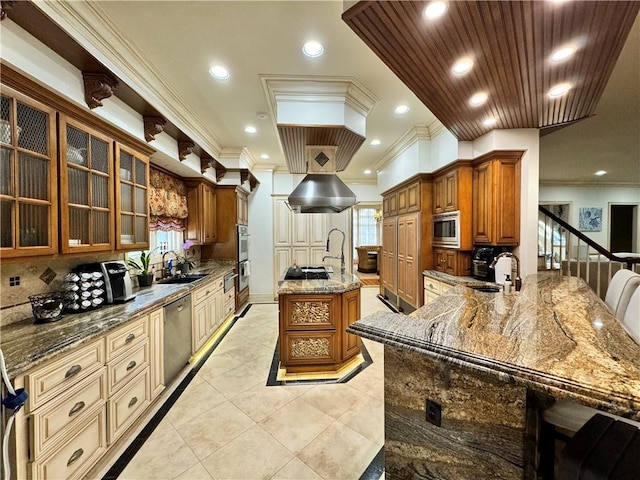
[
  {"x": 518, "y": 281},
  {"x": 165, "y": 270},
  {"x": 341, "y": 257}
]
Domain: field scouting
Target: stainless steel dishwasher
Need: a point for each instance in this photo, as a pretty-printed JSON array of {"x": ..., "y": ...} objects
[{"x": 177, "y": 337}]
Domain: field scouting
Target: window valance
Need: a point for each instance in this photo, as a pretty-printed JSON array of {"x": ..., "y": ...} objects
[{"x": 167, "y": 201}]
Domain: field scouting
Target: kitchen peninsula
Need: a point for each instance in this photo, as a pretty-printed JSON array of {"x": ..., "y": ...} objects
[
  {"x": 314, "y": 315},
  {"x": 467, "y": 374}
]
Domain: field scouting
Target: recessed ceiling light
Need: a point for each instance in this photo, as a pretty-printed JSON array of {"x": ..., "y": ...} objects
[
  {"x": 250, "y": 129},
  {"x": 261, "y": 115},
  {"x": 375, "y": 142},
  {"x": 600, "y": 173},
  {"x": 435, "y": 10},
  {"x": 559, "y": 90},
  {"x": 219, "y": 72},
  {"x": 313, "y": 49},
  {"x": 462, "y": 66},
  {"x": 489, "y": 122},
  {"x": 563, "y": 53},
  {"x": 478, "y": 99},
  {"x": 264, "y": 156},
  {"x": 367, "y": 172},
  {"x": 401, "y": 109}
]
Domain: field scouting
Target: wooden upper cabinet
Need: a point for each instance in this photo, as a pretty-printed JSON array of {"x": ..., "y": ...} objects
[
  {"x": 132, "y": 199},
  {"x": 86, "y": 188},
  {"x": 409, "y": 198},
  {"x": 242, "y": 207},
  {"x": 28, "y": 177},
  {"x": 201, "y": 203},
  {"x": 390, "y": 205},
  {"x": 496, "y": 199}
]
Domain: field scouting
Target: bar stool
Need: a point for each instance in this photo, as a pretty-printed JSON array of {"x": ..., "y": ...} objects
[{"x": 622, "y": 286}]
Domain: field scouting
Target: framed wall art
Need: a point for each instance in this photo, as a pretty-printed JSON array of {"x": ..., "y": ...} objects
[{"x": 590, "y": 219}]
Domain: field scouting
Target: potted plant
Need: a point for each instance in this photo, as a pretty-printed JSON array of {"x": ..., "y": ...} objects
[
  {"x": 145, "y": 277},
  {"x": 184, "y": 265}
]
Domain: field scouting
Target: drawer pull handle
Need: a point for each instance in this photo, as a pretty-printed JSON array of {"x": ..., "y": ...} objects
[
  {"x": 76, "y": 408},
  {"x": 132, "y": 364},
  {"x": 129, "y": 338},
  {"x": 180, "y": 308},
  {"x": 75, "y": 456},
  {"x": 133, "y": 401},
  {"x": 73, "y": 371}
]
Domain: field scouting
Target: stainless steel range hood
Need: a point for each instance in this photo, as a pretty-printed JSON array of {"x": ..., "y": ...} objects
[{"x": 321, "y": 193}]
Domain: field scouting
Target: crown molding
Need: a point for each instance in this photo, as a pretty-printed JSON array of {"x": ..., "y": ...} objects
[
  {"x": 92, "y": 28},
  {"x": 578, "y": 183},
  {"x": 359, "y": 181},
  {"x": 411, "y": 136},
  {"x": 237, "y": 157}
]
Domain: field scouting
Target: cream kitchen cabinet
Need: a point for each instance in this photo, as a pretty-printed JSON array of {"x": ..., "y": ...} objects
[
  {"x": 434, "y": 288},
  {"x": 28, "y": 177},
  {"x": 208, "y": 304}
]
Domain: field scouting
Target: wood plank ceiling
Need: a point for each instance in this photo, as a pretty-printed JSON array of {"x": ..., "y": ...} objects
[{"x": 510, "y": 43}]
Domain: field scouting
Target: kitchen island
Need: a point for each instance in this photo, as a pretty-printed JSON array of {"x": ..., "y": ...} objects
[
  {"x": 313, "y": 319},
  {"x": 467, "y": 375}
]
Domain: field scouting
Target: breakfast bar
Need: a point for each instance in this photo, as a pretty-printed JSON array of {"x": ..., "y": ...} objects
[{"x": 467, "y": 375}]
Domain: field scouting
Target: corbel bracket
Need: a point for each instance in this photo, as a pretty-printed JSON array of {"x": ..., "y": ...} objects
[
  {"x": 184, "y": 149},
  {"x": 220, "y": 173},
  {"x": 205, "y": 163},
  {"x": 97, "y": 87},
  {"x": 152, "y": 127}
]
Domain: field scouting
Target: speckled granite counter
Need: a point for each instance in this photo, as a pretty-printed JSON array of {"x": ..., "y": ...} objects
[
  {"x": 450, "y": 279},
  {"x": 488, "y": 362},
  {"x": 337, "y": 283},
  {"x": 26, "y": 344},
  {"x": 555, "y": 336}
]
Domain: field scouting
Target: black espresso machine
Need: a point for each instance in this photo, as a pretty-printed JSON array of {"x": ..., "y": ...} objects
[
  {"x": 482, "y": 259},
  {"x": 117, "y": 282}
]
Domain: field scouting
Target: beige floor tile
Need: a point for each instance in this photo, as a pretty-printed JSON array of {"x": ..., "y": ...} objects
[
  {"x": 369, "y": 382},
  {"x": 217, "y": 365},
  {"x": 366, "y": 416},
  {"x": 260, "y": 401},
  {"x": 215, "y": 428},
  {"x": 194, "y": 401},
  {"x": 197, "y": 472},
  {"x": 332, "y": 399},
  {"x": 253, "y": 455},
  {"x": 296, "y": 469},
  {"x": 161, "y": 457},
  {"x": 249, "y": 352},
  {"x": 296, "y": 424},
  {"x": 238, "y": 380},
  {"x": 339, "y": 453}
]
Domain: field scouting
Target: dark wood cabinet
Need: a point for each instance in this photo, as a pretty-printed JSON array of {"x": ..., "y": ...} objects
[
  {"x": 201, "y": 203},
  {"x": 452, "y": 187},
  {"x": 452, "y": 262},
  {"x": 132, "y": 199}
]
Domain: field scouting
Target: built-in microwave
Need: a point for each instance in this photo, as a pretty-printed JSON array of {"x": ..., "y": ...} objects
[{"x": 446, "y": 229}]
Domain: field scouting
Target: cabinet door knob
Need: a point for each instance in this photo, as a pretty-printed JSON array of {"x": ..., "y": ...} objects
[
  {"x": 75, "y": 456},
  {"x": 76, "y": 408},
  {"x": 73, "y": 371},
  {"x": 129, "y": 338},
  {"x": 133, "y": 401},
  {"x": 132, "y": 364}
]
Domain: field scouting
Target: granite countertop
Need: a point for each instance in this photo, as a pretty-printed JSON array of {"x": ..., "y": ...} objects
[
  {"x": 555, "y": 336},
  {"x": 26, "y": 345},
  {"x": 337, "y": 283},
  {"x": 451, "y": 279}
]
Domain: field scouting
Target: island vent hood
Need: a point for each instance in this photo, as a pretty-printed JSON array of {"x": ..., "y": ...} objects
[{"x": 321, "y": 191}]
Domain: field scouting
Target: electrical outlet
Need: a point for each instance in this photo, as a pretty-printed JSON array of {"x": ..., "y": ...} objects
[
  {"x": 14, "y": 281},
  {"x": 434, "y": 413}
]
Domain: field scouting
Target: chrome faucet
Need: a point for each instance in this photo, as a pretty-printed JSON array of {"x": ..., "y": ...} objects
[
  {"x": 518, "y": 281},
  {"x": 165, "y": 272},
  {"x": 341, "y": 257}
]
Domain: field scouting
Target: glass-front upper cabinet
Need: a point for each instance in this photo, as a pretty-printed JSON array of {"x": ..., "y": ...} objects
[
  {"x": 28, "y": 176},
  {"x": 132, "y": 201},
  {"x": 86, "y": 188}
]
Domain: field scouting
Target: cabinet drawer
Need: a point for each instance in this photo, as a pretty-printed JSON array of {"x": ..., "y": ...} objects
[
  {"x": 127, "y": 337},
  {"x": 444, "y": 287},
  {"x": 310, "y": 348},
  {"x": 228, "y": 309},
  {"x": 229, "y": 296},
  {"x": 127, "y": 405},
  {"x": 432, "y": 285},
  {"x": 127, "y": 367},
  {"x": 84, "y": 446},
  {"x": 207, "y": 291},
  {"x": 49, "y": 422},
  {"x": 58, "y": 376}
]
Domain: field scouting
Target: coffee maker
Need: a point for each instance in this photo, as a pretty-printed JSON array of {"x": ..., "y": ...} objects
[{"x": 117, "y": 281}]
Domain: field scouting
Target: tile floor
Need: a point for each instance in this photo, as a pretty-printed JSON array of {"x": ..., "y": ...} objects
[{"x": 229, "y": 424}]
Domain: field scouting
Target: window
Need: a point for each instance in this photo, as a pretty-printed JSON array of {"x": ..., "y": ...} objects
[{"x": 366, "y": 226}]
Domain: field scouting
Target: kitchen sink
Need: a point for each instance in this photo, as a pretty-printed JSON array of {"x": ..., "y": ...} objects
[
  {"x": 188, "y": 278},
  {"x": 486, "y": 288}
]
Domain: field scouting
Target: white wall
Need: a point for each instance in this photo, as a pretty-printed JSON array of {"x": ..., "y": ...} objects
[
  {"x": 528, "y": 140},
  {"x": 261, "y": 239},
  {"x": 592, "y": 196},
  {"x": 443, "y": 150},
  {"x": 403, "y": 166},
  {"x": 366, "y": 193}
]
